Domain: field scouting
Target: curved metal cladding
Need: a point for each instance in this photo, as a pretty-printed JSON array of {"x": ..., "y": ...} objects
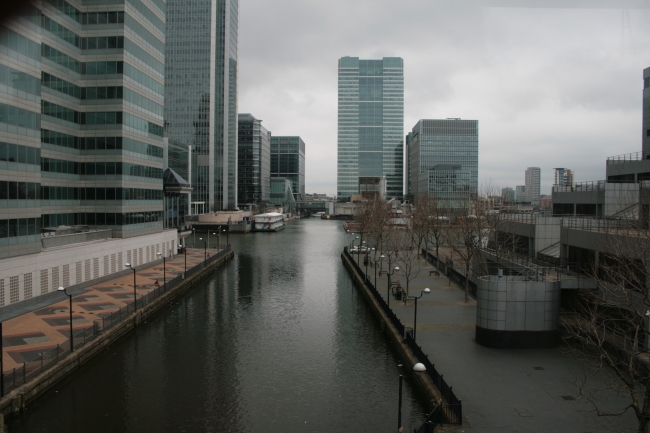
[{"x": 513, "y": 312}]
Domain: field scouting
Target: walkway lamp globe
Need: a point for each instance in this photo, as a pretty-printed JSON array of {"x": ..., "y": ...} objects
[
  {"x": 62, "y": 289},
  {"x": 164, "y": 268},
  {"x": 135, "y": 298},
  {"x": 419, "y": 368}
]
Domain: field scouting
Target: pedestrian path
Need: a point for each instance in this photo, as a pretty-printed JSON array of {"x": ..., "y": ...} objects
[
  {"x": 27, "y": 336},
  {"x": 517, "y": 390}
]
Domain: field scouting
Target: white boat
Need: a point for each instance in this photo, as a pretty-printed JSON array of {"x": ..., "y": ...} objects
[{"x": 268, "y": 222}]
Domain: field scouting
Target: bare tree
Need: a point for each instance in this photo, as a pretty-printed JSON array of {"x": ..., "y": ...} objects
[
  {"x": 467, "y": 235},
  {"x": 407, "y": 256},
  {"x": 609, "y": 326}
]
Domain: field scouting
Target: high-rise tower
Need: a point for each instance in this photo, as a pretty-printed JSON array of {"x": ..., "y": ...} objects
[
  {"x": 370, "y": 124},
  {"x": 201, "y": 94},
  {"x": 533, "y": 175}
]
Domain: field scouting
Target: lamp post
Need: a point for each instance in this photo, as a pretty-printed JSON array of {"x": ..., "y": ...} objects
[
  {"x": 164, "y": 270},
  {"x": 62, "y": 289},
  {"x": 377, "y": 261},
  {"x": 367, "y": 260},
  {"x": 399, "y": 405},
  {"x": 415, "y": 317},
  {"x": 194, "y": 237},
  {"x": 185, "y": 250},
  {"x": 135, "y": 299},
  {"x": 205, "y": 250},
  {"x": 388, "y": 288},
  {"x": 227, "y": 235},
  {"x": 213, "y": 234}
]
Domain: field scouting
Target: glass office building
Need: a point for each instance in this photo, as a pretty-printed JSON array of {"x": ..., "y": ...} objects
[
  {"x": 201, "y": 94},
  {"x": 81, "y": 119},
  {"x": 288, "y": 160},
  {"x": 443, "y": 160},
  {"x": 253, "y": 161},
  {"x": 370, "y": 124}
]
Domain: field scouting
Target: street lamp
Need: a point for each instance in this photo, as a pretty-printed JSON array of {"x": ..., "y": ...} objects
[
  {"x": 62, "y": 289},
  {"x": 213, "y": 234},
  {"x": 194, "y": 237},
  {"x": 399, "y": 404},
  {"x": 377, "y": 261},
  {"x": 164, "y": 270},
  {"x": 366, "y": 263},
  {"x": 205, "y": 250},
  {"x": 135, "y": 299},
  {"x": 415, "y": 317},
  {"x": 388, "y": 288},
  {"x": 227, "y": 235}
]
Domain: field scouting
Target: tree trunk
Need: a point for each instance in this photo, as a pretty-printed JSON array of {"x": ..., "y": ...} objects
[{"x": 467, "y": 282}]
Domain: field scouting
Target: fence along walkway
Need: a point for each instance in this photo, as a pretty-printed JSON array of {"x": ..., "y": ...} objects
[
  {"x": 50, "y": 357},
  {"x": 451, "y": 411}
]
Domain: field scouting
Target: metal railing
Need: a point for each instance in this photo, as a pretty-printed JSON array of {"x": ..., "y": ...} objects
[
  {"x": 453, "y": 406},
  {"x": 621, "y": 159},
  {"x": 592, "y": 185},
  {"x": 50, "y": 357},
  {"x": 599, "y": 225},
  {"x": 58, "y": 241}
]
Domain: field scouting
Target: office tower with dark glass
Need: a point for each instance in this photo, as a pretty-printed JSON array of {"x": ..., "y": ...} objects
[
  {"x": 201, "y": 94},
  {"x": 253, "y": 160},
  {"x": 288, "y": 160},
  {"x": 370, "y": 124},
  {"x": 443, "y": 156}
]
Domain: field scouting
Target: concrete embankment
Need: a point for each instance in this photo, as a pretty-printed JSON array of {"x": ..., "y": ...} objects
[
  {"x": 422, "y": 381},
  {"x": 18, "y": 398}
]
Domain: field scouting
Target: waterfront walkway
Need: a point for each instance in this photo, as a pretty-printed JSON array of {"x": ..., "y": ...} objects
[
  {"x": 27, "y": 336},
  {"x": 517, "y": 390}
]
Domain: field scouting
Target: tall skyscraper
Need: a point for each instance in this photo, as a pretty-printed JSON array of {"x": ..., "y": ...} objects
[
  {"x": 201, "y": 94},
  {"x": 533, "y": 175},
  {"x": 288, "y": 160},
  {"x": 563, "y": 177},
  {"x": 370, "y": 124},
  {"x": 646, "y": 112},
  {"x": 254, "y": 161},
  {"x": 443, "y": 156}
]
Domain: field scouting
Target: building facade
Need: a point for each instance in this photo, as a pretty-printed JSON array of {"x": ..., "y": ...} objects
[
  {"x": 508, "y": 195},
  {"x": 370, "y": 124},
  {"x": 443, "y": 156},
  {"x": 563, "y": 177},
  {"x": 533, "y": 176},
  {"x": 520, "y": 193},
  {"x": 201, "y": 94},
  {"x": 646, "y": 113},
  {"x": 176, "y": 155},
  {"x": 253, "y": 161},
  {"x": 81, "y": 142},
  {"x": 288, "y": 160}
]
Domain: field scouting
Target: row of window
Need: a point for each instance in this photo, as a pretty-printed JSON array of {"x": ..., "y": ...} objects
[
  {"x": 101, "y": 219},
  {"x": 99, "y": 118},
  {"x": 74, "y": 193},
  {"x": 144, "y": 34},
  {"x": 20, "y": 44},
  {"x": 19, "y": 117},
  {"x": 99, "y": 168},
  {"x": 18, "y": 153},
  {"x": 100, "y": 143},
  {"x": 19, "y": 190},
  {"x": 143, "y": 56},
  {"x": 100, "y": 93},
  {"x": 19, "y": 80},
  {"x": 20, "y": 227}
]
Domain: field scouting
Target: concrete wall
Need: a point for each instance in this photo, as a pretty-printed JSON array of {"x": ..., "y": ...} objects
[
  {"x": 27, "y": 277},
  {"x": 547, "y": 232}
]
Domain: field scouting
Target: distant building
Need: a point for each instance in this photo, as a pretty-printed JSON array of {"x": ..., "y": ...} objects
[
  {"x": 253, "y": 161},
  {"x": 533, "y": 175},
  {"x": 520, "y": 193},
  {"x": 282, "y": 194},
  {"x": 288, "y": 160},
  {"x": 370, "y": 124},
  {"x": 443, "y": 157},
  {"x": 563, "y": 177},
  {"x": 508, "y": 195},
  {"x": 176, "y": 156},
  {"x": 370, "y": 187}
]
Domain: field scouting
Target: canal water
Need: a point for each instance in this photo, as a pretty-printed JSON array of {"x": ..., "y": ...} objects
[{"x": 279, "y": 340}]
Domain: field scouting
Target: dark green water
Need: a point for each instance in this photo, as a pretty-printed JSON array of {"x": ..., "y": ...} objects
[{"x": 279, "y": 340}]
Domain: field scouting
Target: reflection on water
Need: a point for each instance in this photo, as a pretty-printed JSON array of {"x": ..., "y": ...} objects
[{"x": 277, "y": 341}]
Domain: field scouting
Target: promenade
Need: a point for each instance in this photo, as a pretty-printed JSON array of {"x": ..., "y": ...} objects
[
  {"x": 27, "y": 336},
  {"x": 517, "y": 390}
]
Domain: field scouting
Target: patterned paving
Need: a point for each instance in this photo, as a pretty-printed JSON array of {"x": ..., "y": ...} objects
[{"x": 27, "y": 336}]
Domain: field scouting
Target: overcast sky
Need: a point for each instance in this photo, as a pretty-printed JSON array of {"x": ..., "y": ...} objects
[{"x": 551, "y": 87}]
